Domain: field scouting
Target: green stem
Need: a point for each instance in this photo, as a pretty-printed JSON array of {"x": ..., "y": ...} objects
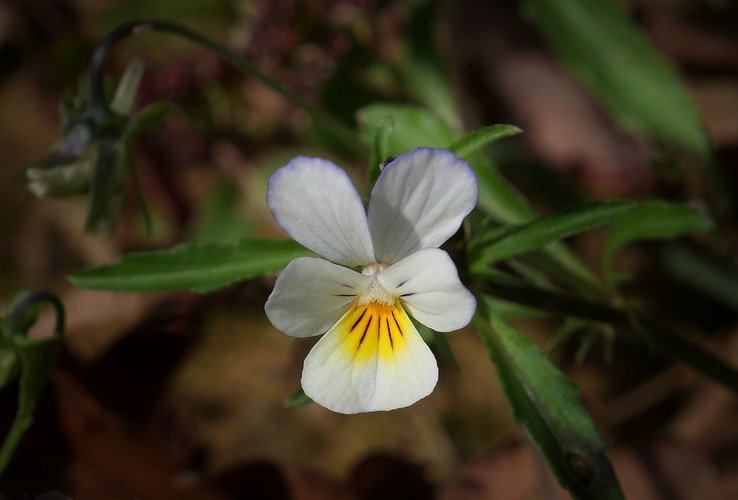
[
  {"x": 36, "y": 363},
  {"x": 660, "y": 339},
  {"x": 100, "y": 55},
  {"x": 15, "y": 318}
]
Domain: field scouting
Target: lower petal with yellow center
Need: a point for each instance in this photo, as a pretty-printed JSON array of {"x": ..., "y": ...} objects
[
  {"x": 374, "y": 331},
  {"x": 372, "y": 359}
]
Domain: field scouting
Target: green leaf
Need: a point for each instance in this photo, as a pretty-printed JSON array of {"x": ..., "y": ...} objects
[
  {"x": 537, "y": 234},
  {"x": 380, "y": 147},
  {"x": 670, "y": 344},
  {"x": 297, "y": 399},
  {"x": 546, "y": 403},
  {"x": 653, "y": 220},
  {"x": 565, "y": 332},
  {"x": 414, "y": 127},
  {"x": 472, "y": 142},
  {"x": 125, "y": 92},
  {"x": 497, "y": 196},
  {"x": 600, "y": 44},
  {"x": 196, "y": 267},
  {"x": 106, "y": 187}
]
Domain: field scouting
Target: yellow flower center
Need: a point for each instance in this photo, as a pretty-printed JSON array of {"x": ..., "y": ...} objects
[{"x": 374, "y": 329}]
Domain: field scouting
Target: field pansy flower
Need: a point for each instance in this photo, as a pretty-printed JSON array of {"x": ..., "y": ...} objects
[{"x": 380, "y": 265}]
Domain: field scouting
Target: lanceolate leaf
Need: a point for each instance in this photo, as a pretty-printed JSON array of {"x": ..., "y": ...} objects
[
  {"x": 197, "y": 267},
  {"x": 598, "y": 41},
  {"x": 661, "y": 340},
  {"x": 654, "y": 220},
  {"x": 107, "y": 183},
  {"x": 544, "y": 230},
  {"x": 125, "y": 93},
  {"x": 546, "y": 403},
  {"x": 472, "y": 142}
]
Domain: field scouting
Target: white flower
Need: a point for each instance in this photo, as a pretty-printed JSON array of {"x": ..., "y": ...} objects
[{"x": 382, "y": 263}]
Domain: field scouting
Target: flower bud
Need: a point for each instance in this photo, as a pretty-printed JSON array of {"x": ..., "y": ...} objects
[{"x": 67, "y": 169}]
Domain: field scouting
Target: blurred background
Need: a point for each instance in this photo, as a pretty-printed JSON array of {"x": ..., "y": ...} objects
[{"x": 175, "y": 395}]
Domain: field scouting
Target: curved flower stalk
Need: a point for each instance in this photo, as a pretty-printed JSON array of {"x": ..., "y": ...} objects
[
  {"x": 94, "y": 150},
  {"x": 381, "y": 265}
]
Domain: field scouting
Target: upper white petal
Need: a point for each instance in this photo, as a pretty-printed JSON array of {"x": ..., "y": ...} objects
[
  {"x": 315, "y": 202},
  {"x": 335, "y": 379},
  {"x": 428, "y": 284},
  {"x": 419, "y": 201},
  {"x": 311, "y": 295}
]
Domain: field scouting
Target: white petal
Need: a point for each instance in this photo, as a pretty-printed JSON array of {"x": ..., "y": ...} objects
[
  {"x": 373, "y": 359},
  {"x": 419, "y": 202},
  {"x": 428, "y": 284},
  {"x": 315, "y": 202},
  {"x": 311, "y": 295}
]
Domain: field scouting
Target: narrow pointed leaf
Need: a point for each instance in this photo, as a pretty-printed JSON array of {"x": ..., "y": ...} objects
[
  {"x": 196, "y": 267},
  {"x": 654, "y": 220},
  {"x": 537, "y": 234},
  {"x": 472, "y": 142},
  {"x": 600, "y": 44},
  {"x": 125, "y": 92},
  {"x": 667, "y": 343},
  {"x": 106, "y": 188},
  {"x": 546, "y": 403}
]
